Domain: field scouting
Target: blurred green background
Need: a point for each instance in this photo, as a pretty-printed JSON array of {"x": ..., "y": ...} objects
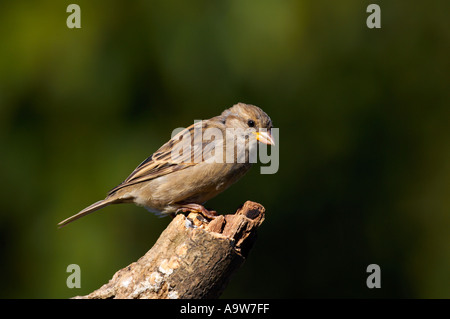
[{"x": 364, "y": 172}]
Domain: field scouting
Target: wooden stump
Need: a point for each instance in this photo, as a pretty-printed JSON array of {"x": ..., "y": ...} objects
[{"x": 192, "y": 259}]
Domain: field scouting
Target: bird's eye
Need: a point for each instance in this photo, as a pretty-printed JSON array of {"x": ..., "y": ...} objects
[{"x": 251, "y": 123}]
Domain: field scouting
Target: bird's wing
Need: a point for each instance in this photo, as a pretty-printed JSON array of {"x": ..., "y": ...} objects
[{"x": 180, "y": 152}]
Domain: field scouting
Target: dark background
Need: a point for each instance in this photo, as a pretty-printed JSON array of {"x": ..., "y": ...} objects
[{"x": 364, "y": 138}]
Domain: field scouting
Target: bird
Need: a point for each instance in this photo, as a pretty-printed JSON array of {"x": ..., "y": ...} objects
[{"x": 187, "y": 171}]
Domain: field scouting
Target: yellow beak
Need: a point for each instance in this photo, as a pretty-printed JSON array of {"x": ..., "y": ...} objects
[{"x": 265, "y": 137}]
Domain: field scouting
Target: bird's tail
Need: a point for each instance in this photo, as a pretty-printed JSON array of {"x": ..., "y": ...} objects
[{"x": 88, "y": 210}]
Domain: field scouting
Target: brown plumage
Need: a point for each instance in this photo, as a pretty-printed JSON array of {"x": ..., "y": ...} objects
[{"x": 166, "y": 184}]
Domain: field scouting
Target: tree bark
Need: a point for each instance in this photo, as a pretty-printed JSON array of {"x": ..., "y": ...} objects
[{"x": 192, "y": 259}]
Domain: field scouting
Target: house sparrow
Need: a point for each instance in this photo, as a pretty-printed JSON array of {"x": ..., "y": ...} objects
[{"x": 186, "y": 171}]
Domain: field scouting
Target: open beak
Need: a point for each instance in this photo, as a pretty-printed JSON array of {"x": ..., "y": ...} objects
[{"x": 265, "y": 137}]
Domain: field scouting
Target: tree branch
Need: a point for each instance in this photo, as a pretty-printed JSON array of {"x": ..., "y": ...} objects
[{"x": 192, "y": 259}]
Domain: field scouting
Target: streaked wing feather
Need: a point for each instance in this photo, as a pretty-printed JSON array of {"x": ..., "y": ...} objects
[{"x": 162, "y": 162}]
